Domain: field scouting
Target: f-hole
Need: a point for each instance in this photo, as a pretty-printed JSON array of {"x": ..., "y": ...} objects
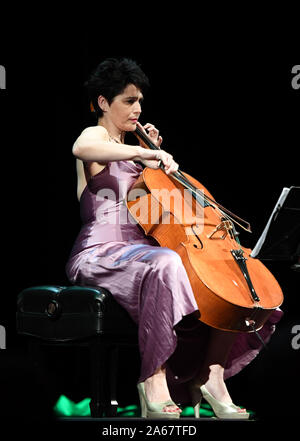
[{"x": 200, "y": 241}]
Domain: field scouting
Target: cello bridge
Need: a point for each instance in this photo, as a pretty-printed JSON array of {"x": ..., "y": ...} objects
[{"x": 225, "y": 226}]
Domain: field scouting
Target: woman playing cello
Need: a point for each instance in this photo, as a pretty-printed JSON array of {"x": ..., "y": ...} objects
[{"x": 180, "y": 356}]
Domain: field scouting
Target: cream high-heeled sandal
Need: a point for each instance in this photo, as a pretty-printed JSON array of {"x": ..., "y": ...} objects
[
  {"x": 154, "y": 410},
  {"x": 221, "y": 410}
]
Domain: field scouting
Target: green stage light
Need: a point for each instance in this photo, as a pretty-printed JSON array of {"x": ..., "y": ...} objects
[{"x": 65, "y": 407}]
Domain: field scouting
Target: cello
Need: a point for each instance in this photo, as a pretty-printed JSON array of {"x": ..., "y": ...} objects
[{"x": 233, "y": 291}]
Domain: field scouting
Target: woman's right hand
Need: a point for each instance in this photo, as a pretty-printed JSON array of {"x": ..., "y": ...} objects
[{"x": 154, "y": 158}]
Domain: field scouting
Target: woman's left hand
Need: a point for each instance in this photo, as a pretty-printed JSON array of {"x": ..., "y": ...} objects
[
  {"x": 163, "y": 157},
  {"x": 152, "y": 132}
]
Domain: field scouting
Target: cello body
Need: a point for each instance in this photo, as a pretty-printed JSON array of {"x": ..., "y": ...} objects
[{"x": 233, "y": 291}]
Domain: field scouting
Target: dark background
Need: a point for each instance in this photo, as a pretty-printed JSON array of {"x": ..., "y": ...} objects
[{"x": 227, "y": 112}]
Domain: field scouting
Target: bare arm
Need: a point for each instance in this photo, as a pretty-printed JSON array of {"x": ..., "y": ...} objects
[{"x": 94, "y": 145}]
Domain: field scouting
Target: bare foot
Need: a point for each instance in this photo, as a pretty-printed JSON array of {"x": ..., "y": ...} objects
[
  {"x": 216, "y": 385},
  {"x": 218, "y": 390},
  {"x": 156, "y": 390}
]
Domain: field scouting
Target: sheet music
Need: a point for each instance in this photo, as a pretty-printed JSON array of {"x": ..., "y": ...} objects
[{"x": 263, "y": 236}]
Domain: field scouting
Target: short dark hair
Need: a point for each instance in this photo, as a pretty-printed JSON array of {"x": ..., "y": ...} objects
[{"x": 111, "y": 77}]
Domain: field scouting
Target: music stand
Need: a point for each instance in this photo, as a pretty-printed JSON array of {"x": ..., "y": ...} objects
[{"x": 280, "y": 239}]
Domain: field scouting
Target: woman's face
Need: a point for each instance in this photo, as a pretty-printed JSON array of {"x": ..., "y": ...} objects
[{"x": 125, "y": 108}]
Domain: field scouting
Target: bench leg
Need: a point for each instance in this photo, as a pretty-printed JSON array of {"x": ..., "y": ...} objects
[
  {"x": 98, "y": 379},
  {"x": 112, "y": 405},
  {"x": 104, "y": 368}
]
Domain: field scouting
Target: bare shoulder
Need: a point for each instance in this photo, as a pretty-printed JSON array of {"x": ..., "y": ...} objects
[{"x": 98, "y": 132}]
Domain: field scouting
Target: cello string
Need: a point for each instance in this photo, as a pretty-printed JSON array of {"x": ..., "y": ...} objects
[
  {"x": 195, "y": 191},
  {"x": 212, "y": 203},
  {"x": 234, "y": 241},
  {"x": 178, "y": 175},
  {"x": 221, "y": 215}
]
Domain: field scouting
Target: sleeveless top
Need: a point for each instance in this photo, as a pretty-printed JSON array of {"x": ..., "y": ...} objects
[{"x": 103, "y": 211}]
